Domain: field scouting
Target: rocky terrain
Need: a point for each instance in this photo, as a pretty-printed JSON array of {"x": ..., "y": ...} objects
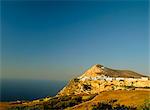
[
  {"x": 98, "y": 69},
  {"x": 98, "y": 88},
  {"x": 91, "y": 85}
]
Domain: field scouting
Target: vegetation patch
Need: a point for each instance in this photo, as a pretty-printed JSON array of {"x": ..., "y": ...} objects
[
  {"x": 86, "y": 87},
  {"x": 56, "y": 103},
  {"x": 110, "y": 106}
]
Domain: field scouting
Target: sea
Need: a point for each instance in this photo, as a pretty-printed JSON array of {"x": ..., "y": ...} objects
[{"x": 13, "y": 90}]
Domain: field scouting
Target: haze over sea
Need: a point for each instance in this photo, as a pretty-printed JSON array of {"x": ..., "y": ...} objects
[{"x": 12, "y": 90}]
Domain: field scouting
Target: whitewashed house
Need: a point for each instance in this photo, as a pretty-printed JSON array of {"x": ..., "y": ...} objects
[
  {"x": 131, "y": 79},
  {"x": 144, "y": 78},
  {"x": 94, "y": 78},
  {"x": 118, "y": 79},
  {"x": 109, "y": 79},
  {"x": 85, "y": 78},
  {"x": 103, "y": 67}
]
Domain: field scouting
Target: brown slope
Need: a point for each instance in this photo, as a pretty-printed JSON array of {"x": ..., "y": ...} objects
[
  {"x": 127, "y": 98},
  {"x": 98, "y": 69},
  {"x": 122, "y": 73}
]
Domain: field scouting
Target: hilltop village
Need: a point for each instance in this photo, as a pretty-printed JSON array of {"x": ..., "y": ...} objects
[
  {"x": 109, "y": 78},
  {"x": 96, "y": 85},
  {"x": 99, "y": 78}
]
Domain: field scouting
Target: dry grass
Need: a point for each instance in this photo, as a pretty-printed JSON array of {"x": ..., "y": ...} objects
[
  {"x": 123, "y": 97},
  {"x": 4, "y": 105},
  {"x": 129, "y": 98}
]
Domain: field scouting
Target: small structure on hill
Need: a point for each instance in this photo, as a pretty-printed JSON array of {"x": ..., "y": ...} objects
[
  {"x": 107, "y": 78},
  {"x": 144, "y": 78}
]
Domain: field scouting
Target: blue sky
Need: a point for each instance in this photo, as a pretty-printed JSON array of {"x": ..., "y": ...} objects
[{"x": 58, "y": 40}]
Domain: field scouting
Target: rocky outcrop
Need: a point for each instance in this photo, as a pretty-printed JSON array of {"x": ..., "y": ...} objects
[
  {"x": 94, "y": 71},
  {"x": 91, "y": 85}
]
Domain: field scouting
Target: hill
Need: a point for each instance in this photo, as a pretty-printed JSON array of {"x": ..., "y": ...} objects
[
  {"x": 114, "y": 100},
  {"x": 98, "y": 69},
  {"x": 98, "y": 88},
  {"x": 99, "y": 78},
  {"x": 135, "y": 99}
]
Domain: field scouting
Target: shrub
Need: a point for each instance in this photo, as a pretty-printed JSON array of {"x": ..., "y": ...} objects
[
  {"x": 18, "y": 108},
  {"x": 65, "y": 98},
  {"x": 76, "y": 80},
  {"x": 146, "y": 105},
  {"x": 113, "y": 87},
  {"x": 102, "y": 106},
  {"x": 41, "y": 100},
  {"x": 86, "y": 87},
  {"x": 123, "y": 107},
  {"x": 109, "y": 106},
  {"x": 112, "y": 101},
  {"x": 77, "y": 98}
]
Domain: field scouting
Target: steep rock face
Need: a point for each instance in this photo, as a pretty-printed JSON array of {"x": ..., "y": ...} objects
[{"x": 88, "y": 84}]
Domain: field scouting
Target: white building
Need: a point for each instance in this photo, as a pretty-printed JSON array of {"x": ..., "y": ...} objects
[
  {"x": 109, "y": 79},
  {"x": 144, "y": 78},
  {"x": 129, "y": 79},
  {"x": 94, "y": 78},
  {"x": 137, "y": 79},
  {"x": 102, "y": 67},
  {"x": 120, "y": 78},
  {"x": 85, "y": 78}
]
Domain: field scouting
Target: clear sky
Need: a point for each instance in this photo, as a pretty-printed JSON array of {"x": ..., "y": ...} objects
[{"x": 58, "y": 40}]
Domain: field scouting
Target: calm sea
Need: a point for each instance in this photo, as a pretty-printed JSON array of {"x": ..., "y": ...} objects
[{"x": 12, "y": 90}]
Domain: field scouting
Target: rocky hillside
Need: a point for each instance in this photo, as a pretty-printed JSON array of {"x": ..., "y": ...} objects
[
  {"x": 98, "y": 88},
  {"x": 99, "y": 78},
  {"x": 100, "y": 69}
]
